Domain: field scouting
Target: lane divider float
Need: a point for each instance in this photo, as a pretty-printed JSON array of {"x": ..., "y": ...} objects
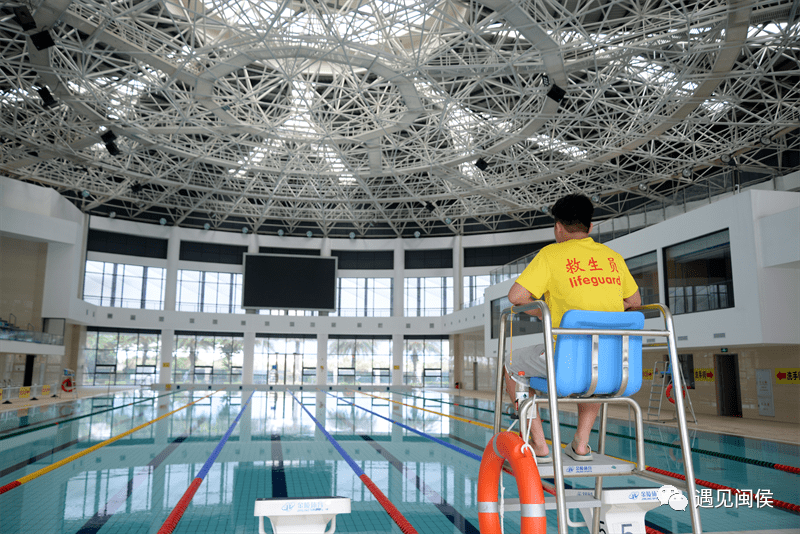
[
  {"x": 177, "y": 513},
  {"x": 52, "y": 467},
  {"x": 726, "y": 456},
  {"x": 59, "y": 421},
  {"x": 400, "y": 520}
]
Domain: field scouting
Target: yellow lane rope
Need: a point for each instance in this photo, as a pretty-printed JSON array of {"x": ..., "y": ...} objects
[
  {"x": 490, "y": 427},
  {"x": 45, "y": 470}
]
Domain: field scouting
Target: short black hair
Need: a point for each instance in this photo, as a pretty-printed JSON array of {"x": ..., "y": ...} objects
[{"x": 574, "y": 212}]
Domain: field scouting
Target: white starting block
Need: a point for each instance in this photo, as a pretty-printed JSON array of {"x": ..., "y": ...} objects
[
  {"x": 301, "y": 516},
  {"x": 622, "y": 510}
]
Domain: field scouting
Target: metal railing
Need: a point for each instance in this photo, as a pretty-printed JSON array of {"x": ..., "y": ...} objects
[
  {"x": 9, "y": 393},
  {"x": 30, "y": 336}
]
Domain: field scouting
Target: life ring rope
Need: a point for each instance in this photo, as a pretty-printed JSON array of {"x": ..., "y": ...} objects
[{"x": 509, "y": 446}]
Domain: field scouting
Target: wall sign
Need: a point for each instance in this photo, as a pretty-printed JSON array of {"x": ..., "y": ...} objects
[
  {"x": 703, "y": 375},
  {"x": 766, "y": 405},
  {"x": 787, "y": 375}
]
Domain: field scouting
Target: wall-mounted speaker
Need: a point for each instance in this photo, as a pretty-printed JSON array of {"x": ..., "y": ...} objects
[
  {"x": 24, "y": 18},
  {"x": 42, "y": 40},
  {"x": 556, "y": 93}
]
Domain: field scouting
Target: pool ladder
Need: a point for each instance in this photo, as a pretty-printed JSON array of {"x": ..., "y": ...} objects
[{"x": 621, "y": 510}]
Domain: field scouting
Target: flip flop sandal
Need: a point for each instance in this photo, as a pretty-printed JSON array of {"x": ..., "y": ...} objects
[{"x": 570, "y": 451}]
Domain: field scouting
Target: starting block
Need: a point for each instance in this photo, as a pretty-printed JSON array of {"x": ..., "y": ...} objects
[{"x": 301, "y": 516}]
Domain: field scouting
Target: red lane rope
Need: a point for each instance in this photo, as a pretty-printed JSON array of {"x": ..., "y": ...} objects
[
  {"x": 713, "y": 485},
  {"x": 177, "y": 512},
  {"x": 393, "y": 512},
  {"x": 789, "y": 468}
]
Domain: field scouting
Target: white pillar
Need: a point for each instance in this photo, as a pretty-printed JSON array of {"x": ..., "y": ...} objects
[
  {"x": 458, "y": 265},
  {"x": 397, "y": 359},
  {"x": 398, "y": 274},
  {"x": 165, "y": 362},
  {"x": 171, "y": 280},
  {"x": 248, "y": 358},
  {"x": 322, "y": 359}
]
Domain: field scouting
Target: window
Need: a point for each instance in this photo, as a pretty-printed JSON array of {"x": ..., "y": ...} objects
[
  {"x": 212, "y": 252},
  {"x": 523, "y": 323},
  {"x": 474, "y": 286},
  {"x": 364, "y": 259},
  {"x": 359, "y": 359},
  {"x": 121, "y": 356},
  {"x": 425, "y": 297},
  {"x": 285, "y": 360},
  {"x": 118, "y": 285},
  {"x": 209, "y": 292},
  {"x": 129, "y": 245},
  {"x": 426, "y": 361},
  {"x": 498, "y": 255},
  {"x": 644, "y": 269},
  {"x": 364, "y": 297},
  {"x": 698, "y": 274},
  {"x": 429, "y": 259},
  {"x": 208, "y": 358}
]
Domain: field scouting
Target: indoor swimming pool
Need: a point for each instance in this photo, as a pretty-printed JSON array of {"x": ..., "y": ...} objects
[{"x": 123, "y": 463}]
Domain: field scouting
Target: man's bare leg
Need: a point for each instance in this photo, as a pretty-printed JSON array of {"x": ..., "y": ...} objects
[
  {"x": 587, "y": 413},
  {"x": 540, "y": 447}
]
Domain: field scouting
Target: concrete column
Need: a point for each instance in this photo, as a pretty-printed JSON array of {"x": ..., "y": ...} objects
[
  {"x": 397, "y": 359},
  {"x": 398, "y": 275},
  {"x": 458, "y": 268},
  {"x": 248, "y": 358},
  {"x": 322, "y": 359},
  {"x": 171, "y": 281},
  {"x": 165, "y": 362}
]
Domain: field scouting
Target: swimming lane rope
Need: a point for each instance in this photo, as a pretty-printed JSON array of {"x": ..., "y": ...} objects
[{"x": 56, "y": 465}]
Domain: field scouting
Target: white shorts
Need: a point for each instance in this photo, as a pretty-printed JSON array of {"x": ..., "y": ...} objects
[{"x": 530, "y": 360}]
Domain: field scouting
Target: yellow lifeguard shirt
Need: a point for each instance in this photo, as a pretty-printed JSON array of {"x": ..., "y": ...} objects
[{"x": 578, "y": 274}]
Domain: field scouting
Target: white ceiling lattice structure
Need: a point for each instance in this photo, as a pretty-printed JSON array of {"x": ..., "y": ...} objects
[{"x": 368, "y": 116}]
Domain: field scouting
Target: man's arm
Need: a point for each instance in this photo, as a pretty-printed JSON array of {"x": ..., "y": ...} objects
[
  {"x": 519, "y": 296},
  {"x": 634, "y": 301}
]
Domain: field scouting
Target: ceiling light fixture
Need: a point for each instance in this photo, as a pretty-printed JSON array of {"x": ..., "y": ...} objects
[
  {"x": 280, "y": 233},
  {"x": 245, "y": 230},
  {"x": 309, "y": 233},
  {"x": 726, "y": 158},
  {"x": 417, "y": 234},
  {"x": 643, "y": 187},
  {"x": 687, "y": 172},
  {"x": 352, "y": 235},
  {"x": 206, "y": 226},
  {"x": 766, "y": 140},
  {"x": 448, "y": 220},
  {"x": 112, "y": 214},
  {"x": 85, "y": 193},
  {"x": 162, "y": 221}
]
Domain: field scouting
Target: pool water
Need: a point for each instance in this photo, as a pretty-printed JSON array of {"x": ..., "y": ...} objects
[{"x": 314, "y": 443}]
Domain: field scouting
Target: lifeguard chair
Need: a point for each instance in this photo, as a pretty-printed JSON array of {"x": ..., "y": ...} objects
[{"x": 597, "y": 359}]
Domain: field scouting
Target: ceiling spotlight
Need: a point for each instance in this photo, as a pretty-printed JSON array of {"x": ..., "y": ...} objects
[
  {"x": 162, "y": 221},
  {"x": 687, "y": 172},
  {"x": 545, "y": 209},
  {"x": 595, "y": 198},
  {"x": 85, "y": 193},
  {"x": 352, "y": 235},
  {"x": 309, "y": 233},
  {"x": 207, "y": 226},
  {"x": 280, "y": 232},
  {"x": 643, "y": 187},
  {"x": 766, "y": 140},
  {"x": 448, "y": 220},
  {"x": 417, "y": 234},
  {"x": 726, "y": 158},
  {"x": 112, "y": 214},
  {"x": 244, "y": 230}
]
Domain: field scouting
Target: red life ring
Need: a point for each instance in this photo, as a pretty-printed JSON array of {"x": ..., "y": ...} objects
[
  {"x": 67, "y": 385},
  {"x": 668, "y": 393},
  {"x": 507, "y": 446}
]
